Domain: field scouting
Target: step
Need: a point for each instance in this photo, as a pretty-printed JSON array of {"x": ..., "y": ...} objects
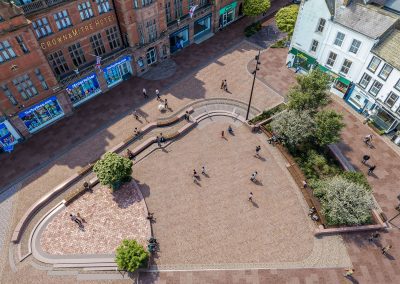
[
  {"x": 90, "y": 264},
  {"x": 105, "y": 268},
  {"x": 114, "y": 276}
]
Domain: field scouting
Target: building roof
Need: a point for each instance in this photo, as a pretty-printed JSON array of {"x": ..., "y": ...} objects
[
  {"x": 365, "y": 19},
  {"x": 389, "y": 49}
]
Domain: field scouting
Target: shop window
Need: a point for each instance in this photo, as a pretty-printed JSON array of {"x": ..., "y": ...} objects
[
  {"x": 25, "y": 87},
  {"x": 202, "y": 26},
  {"x": 85, "y": 10},
  {"x": 314, "y": 45},
  {"x": 204, "y": 2},
  {"x": 151, "y": 56},
  {"x": 8, "y": 94},
  {"x": 365, "y": 80},
  {"x": 42, "y": 27},
  {"x": 345, "y": 67},
  {"x": 168, "y": 11},
  {"x": 97, "y": 44},
  {"x": 58, "y": 63},
  {"x": 355, "y": 46},
  {"x": 179, "y": 40},
  {"x": 321, "y": 25},
  {"x": 178, "y": 8},
  {"x": 140, "y": 62},
  {"x": 397, "y": 86},
  {"x": 339, "y": 39},
  {"x": 391, "y": 99},
  {"x": 21, "y": 43},
  {"x": 151, "y": 28},
  {"x": 342, "y": 87},
  {"x": 103, "y": 6},
  {"x": 385, "y": 72},
  {"x": 6, "y": 51},
  {"x": 62, "y": 20},
  {"x": 118, "y": 71},
  {"x": 76, "y": 53},
  {"x": 41, "y": 79},
  {"x": 373, "y": 65},
  {"x": 83, "y": 89},
  {"x": 146, "y": 2},
  {"x": 113, "y": 38},
  {"x": 375, "y": 88},
  {"x": 331, "y": 59}
]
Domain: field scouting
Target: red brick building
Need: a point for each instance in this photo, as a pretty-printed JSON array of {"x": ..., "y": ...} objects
[{"x": 59, "y": 54}]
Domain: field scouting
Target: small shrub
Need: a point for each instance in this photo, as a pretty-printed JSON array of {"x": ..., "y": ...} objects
[
  {"x": 269, "y": 113},
  {"x": 316, "y": 165},
  {"x": 280, "y": 43},
  {"x": 358, "y": 178},
  {"x": 130, "y": 256},
  {"x": 252, "y": 29}
]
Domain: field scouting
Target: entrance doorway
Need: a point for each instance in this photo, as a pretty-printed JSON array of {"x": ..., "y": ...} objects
[{"x": 151, "y": 56}]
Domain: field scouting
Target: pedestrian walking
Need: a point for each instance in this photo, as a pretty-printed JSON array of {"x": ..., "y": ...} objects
[
  {"x": 386, "y": 249},
  {"x": 368, "y": 139},
  {"x": 76, "y": 220},
  {"x": 158, "y": 141},
  {"x": 187, "y": 116},
  {"x": 222, "y": 134},
  {"x": 166, "y": 104},
  {"x": 371, "y": 169},
  {"x": 251, "y": 196},
  {"x": 158, "y": 95},
  {"x": 135, "y": 114},
  {"x": 203, "y": 170},
  {"x": 144, "y": 93},
  {"x": 348, "y": 272},
  {"x": 80, "y": 217},
  {"x": 365, "y": 159},
  {"x": 258, "y": 148},
  {"x": 223, "y": 84},
  {"x": 195, "y": 173},
  {"x": 136, "y": 131},
  {"x": 373, "y": 237},
  {"x": 253, "y": 176}
]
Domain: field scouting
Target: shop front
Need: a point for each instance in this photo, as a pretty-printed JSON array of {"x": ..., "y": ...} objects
[
  {"x": 360, "y": 101},
  {"x": 301, "y": 60},
  {"x": 202, "y": 27},
  {"x": 179, "y": 39},
  {"x": 83, "y": 89},
  {"x": 227, "y": 14},
  {"x": 383, "y": 119},
  {"x": 118, "y": 71},
  {"x": 8, "y": 136},
  {"x": 340, "y": 84},
  {"x": 41, "y": 114}
]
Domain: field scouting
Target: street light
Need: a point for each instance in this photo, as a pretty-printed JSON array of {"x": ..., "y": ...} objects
[{"x": 254, "y": 79}]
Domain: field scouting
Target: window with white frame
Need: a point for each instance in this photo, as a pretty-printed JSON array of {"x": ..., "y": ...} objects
[
  {"x": 103, "y": 6},
  {"x": 97, "y": 44},
  {"x": 41, "y": 78},
  {"x": 331, "y": 59},
  {"x": 8, "y": 94},
  {"x": 85, "y": 10},
  {"x": 113, "y": 38},
  {"x": 151, "y": 28},
  {"x": 397, "y": 86},
  {"x": 364, "y": 82},
  {"x": 391, "y": 99},
  {"x": 62, "y": 20},
  {"x": 314, "y": 45},
  {"x": 385, "y": 72},
  {"x": 346, "y": 66},
  {"x": 135, "y": 4},
  {"x": 42, "y": 27},
  {"x": 25, "y": 86},
  {"x": 6, "y": 51},
  {"x": 374, "y": 64},
  {"x": 355, "y": 46},
  {"x": 339, "y": 39},
  {"x": 375, "y": 88},
  {"x": 321, "y": 25}
]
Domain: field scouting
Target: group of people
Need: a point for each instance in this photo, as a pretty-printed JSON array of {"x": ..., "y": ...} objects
[
  {"x": 158, "y": 97},
  {"x": 368, "y": 141},
  {"x": 224, "y": 85},
  {"x": 196, "y": 176}
]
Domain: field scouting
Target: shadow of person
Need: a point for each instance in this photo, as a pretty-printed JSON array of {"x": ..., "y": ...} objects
[
  {"x": 206, "y": 175},
  {"x": 352, "y": 279},
  {"x": 389, "y": 256},
  {"x": 260, "y": 158},
  {"x": 254, "y": 204},
  {"x": 373, "y": 175},
  {"x": 258, "y": 182}
]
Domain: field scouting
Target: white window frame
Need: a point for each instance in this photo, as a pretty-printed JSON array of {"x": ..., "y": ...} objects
[
  {"x": 321, "y": 25},
  {"x": 62, "y": 19},
  {"x": 375, "y": 88},
  {"x": 389, "y": 98},
  {"x": 386, "y": 72},
  {"x": 364, "y": 80},
  {"x": 330, "y": 59},
  {"x": 314, "y": 45},
  {"x": 85, "y": 10},
  {"x": 345, "y": 69},
  {"x": 354, "y": 48},
  {"x": 339, "y": 39},
  {"x": 376, "y": 67}
]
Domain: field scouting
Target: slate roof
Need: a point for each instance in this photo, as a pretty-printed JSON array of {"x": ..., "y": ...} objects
[
  {"x": 331, "y": 6},
  {"x": 389, "y": 49},
  {"x": 367, "y": 20}
]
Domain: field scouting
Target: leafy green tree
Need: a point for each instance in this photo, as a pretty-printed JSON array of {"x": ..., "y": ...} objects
[
  {"x": 113, "y": 169},
  {"x": 329, "y": 124},
  {"x": 130, "y": 256},
  {"x": 254, "y": 8},
  {"x": 344, "y": 202},
  {"x": 286, "y": 19},
  {"x": 294, "y": 127},
  {"x": 311, "y": 91},
  {"x": 357, "y": 177}
]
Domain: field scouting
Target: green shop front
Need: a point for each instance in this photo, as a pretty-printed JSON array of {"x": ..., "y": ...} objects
[
  {"x": 340, "y": 84},
  {"x": 227, "y": 14},
  {"x": 301, "y": 60}
]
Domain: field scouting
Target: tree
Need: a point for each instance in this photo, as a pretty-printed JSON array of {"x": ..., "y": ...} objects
[
  {"x": 130, "y": 256},
  {"x": 329, "y": 124},
  {"x": 344, "y": 202},
  {"x": 311, "y": 91},
  {"x": 113, "y": 169},
  {"x": 294, "y": 127},
  {"x": 254, "y": 8},
  {"x": 286, "y": 19}
]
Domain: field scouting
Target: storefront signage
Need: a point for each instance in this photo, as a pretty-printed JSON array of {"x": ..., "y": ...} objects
[
  {"x": 78, "y": 32},
  {"x": 81, "y": 82},
  {"x": 228, "y": 8},
  {"x": 8, "y": 135},
  {"x": 126, "y": 58},
  {"x": 36, "y": 107}
]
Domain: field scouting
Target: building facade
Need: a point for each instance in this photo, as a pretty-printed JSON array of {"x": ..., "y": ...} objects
[
  {"x": 58, "y": 54},
  {"x": 354, "y": 42}
]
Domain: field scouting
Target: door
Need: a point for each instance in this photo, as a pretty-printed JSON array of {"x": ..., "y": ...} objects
[
  {"x": 151, "y": 56},
  {"x": 224, "y": 19}
]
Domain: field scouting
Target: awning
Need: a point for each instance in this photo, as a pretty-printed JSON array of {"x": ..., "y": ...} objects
[
  {"x": 310, "y": 59},
  {"x": 344, "y": 80},
  {"x": 228, "y": 8}
]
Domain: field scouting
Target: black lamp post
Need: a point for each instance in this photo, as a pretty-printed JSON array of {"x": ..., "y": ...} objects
[{"x": 254, "y": 80}]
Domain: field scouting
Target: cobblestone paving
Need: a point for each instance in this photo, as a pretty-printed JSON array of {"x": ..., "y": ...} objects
[
  {"x": 109, "y": 218},
  {"x": 268, "y": 35},
  {"x": 161, "y": 71}
]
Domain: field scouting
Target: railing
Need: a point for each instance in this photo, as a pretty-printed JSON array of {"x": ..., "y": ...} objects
[
  {"x": 39, "y": 5},
  {"x": 185, "y": 19}
]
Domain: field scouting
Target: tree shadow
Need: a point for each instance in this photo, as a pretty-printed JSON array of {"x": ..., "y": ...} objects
[{"x": 126, "y": 195}]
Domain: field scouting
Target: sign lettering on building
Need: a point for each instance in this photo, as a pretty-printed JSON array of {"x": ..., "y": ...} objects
[{"x": 75, "y": 32}]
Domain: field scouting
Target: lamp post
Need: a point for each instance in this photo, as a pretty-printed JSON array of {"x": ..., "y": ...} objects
[{"x": 254, "y": 80}]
